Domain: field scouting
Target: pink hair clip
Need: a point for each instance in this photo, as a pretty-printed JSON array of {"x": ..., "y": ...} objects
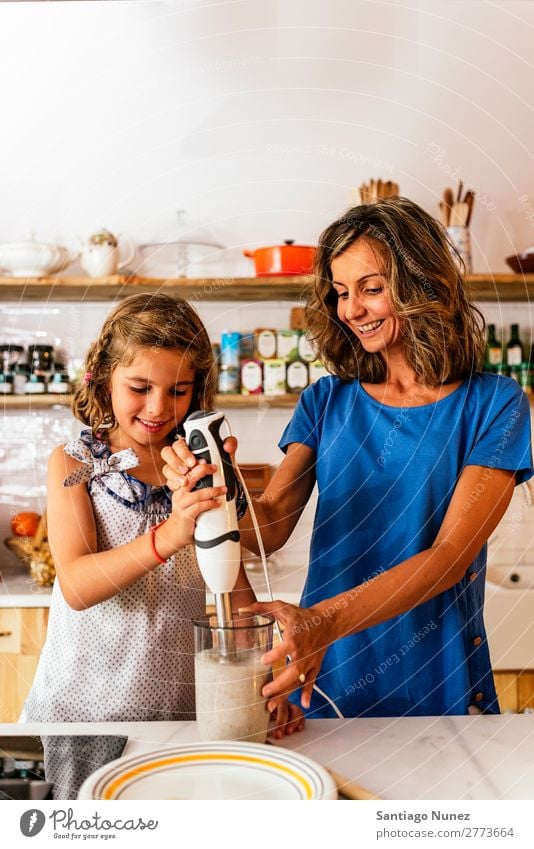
[{"x": 87, "y": 378}]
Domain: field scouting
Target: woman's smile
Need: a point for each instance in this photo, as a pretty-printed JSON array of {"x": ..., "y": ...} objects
[
  {"x": 363, "y": 303},
  {"x": 372, "y": 327}
]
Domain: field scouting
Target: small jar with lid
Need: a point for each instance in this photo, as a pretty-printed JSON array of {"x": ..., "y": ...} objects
[
  {"x": 6, "y": 383},
  {"x": 10, "y": 356},
  {"x": 228, "y": 382},
  {"x": 59, "y": 383},
  {"x": 41, "y": 360},
  {"x": 20, "y": 379},
  {"x": 35, "y": 385}
]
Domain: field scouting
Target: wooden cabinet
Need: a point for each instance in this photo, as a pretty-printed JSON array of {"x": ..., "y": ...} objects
[
  {"x": 515, "y": 690},
  {"x": 22, "y": 636}
]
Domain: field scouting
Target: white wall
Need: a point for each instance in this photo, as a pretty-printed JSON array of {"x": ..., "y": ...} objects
[{"x": 258, "y": 116}]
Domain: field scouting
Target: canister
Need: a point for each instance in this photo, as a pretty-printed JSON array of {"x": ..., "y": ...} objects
[
  {"x": 35, "y": 385},
  {"x": 306, "y": 350},
  {"x": 20, "y": 379},
  {"x": 41, "y": 360},
  {"x": 251, "y": 377},
  {"x": 265, "y": 344},
  {"x": 228, "y": 383},
  {"x": 316, "y": 370},
  {"x": 296, "y": 376},
  {"x": 274, "y": 377},
  {"x": 6, "y": 383},
  {"x": 287, "y": 343},
  {"x": 246, "y": 347},
  {"x": 230, "y": 349},
  {"x": 59, "y": 384}
]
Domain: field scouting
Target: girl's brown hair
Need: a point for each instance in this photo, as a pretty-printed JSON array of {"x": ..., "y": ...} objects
[
  {"x": 143, "y": 321},
  {"x": 442, "y": 332}
]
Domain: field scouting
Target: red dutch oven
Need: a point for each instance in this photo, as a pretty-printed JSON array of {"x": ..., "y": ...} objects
[{"x": 280, "y": 260}]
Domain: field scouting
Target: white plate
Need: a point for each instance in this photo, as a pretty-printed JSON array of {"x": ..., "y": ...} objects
[{"x": 219, "y": 770}]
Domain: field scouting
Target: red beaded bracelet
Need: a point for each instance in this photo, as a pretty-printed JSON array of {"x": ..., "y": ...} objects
[{"x": 153, "y": 530}]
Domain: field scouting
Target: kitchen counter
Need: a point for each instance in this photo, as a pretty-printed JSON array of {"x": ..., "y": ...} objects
[
  {"x": 455, "y": 757},
  {"x": 18, "y": 590}
]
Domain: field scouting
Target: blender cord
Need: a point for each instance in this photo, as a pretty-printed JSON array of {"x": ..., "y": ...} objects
[{"x": 268, "y": 583}]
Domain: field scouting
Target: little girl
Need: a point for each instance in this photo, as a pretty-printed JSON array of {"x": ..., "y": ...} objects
[{"x": 120, "y": 638}]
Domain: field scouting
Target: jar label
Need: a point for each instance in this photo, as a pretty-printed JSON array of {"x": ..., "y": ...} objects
[
  {"x": 251, "y": 377},
  {"x": 266, "y": 344}
]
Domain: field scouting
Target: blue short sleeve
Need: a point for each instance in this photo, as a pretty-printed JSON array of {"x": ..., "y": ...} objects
[
  {"x": 305, "y": 423},
  {"x": 504, "y": 440}
]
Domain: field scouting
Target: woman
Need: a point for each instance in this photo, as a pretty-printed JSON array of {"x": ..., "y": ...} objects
[{"x": 415, "y": 454}]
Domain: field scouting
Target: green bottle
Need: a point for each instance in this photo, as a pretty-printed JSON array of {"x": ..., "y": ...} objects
[
  {"x": 493, "y": 350},
  {"x": 514, "y": 348}
]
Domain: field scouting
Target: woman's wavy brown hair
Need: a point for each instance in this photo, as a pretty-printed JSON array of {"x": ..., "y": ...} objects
[
  {"x": 144, "y": 321},
  {"x": 443, "y": 333}
]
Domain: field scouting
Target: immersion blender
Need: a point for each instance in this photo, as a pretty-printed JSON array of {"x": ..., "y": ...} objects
[{"x": 216, "y": 534}]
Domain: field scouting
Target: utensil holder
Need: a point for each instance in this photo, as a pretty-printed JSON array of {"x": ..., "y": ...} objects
[{"x": 461, "y": 241}]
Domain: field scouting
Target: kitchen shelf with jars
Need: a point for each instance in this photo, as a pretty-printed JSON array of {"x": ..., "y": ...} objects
[
  {"x": 481, "y": 287},
  {"x": 225, "y": 401},
  {"x": 263, "y": 369}
]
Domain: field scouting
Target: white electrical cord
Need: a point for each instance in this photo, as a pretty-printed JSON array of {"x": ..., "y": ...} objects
[{"x": 268, "y": 583}]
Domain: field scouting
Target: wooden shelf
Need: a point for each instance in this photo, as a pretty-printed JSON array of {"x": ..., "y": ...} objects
[
  {"x": 244, "y": 402},
  {"x": 481, "y": 287},
  {"x": 228, "y": 402},
  {"x": 82, "y": 289}
]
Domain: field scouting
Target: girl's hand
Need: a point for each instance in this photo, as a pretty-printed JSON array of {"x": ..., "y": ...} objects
[
  {"x": 287, "y": 717},
  {"x": 188, "y": 505},
  {"x": 306, "y": 635},
  {"x": 180, "y": 461}
]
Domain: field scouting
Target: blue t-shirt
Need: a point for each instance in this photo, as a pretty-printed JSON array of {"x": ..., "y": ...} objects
[{"x": 385, "y": 477}]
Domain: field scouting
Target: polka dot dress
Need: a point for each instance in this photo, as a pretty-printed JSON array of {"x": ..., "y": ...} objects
[{"x": 130, "y": 657}]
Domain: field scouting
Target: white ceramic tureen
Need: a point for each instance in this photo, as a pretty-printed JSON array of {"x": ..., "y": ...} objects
[{"x": 33, "y": 259}]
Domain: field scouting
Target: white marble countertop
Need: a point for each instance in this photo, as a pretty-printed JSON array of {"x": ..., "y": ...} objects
[{"x": 455, "y": 757}]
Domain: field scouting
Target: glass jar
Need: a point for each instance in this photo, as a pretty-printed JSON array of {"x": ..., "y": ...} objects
[
  {"x": 6, "y": 383},
  {"x": 10, "y": 356},
  {"x": 229, "y": 678},
  {"x": 35, "y": 385},
  {"x": 20, "y": 379},
  {"x": 41, "y": 360},
  {"x": 228, "y": 380}
]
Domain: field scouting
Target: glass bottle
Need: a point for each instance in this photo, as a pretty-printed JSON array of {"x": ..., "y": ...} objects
[
  {"x": 493, "y": 350},
  {"x": 531, "y": 370},
  {"x": 514, "y": 348}
]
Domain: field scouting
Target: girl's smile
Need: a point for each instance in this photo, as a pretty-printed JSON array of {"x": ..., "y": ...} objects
[
  {"x": 363, "y": 304},
  {"x": 151, "y": 396}
]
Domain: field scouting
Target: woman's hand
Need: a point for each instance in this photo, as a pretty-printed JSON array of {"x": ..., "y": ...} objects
[
  {"x": 306, "y": 634},
  {"x": 180, "y": 462}
]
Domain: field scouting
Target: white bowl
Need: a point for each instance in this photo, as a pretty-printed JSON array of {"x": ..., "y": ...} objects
[{"x": 33, "y": 259}]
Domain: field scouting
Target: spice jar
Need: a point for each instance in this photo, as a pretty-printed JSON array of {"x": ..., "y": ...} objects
[
  {"x": 41, "y": 360},
  {"x": 35, "y": 385},
  {"x": 10, "y": 356},
  {"x": 20, "y": 379},
  {"x": 6, "y": 383},
  {"x": 59, "y": 383}
]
